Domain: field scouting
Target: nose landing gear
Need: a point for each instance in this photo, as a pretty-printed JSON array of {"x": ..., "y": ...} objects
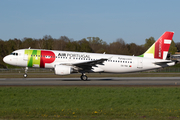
[{"x": 25, "y": 74}]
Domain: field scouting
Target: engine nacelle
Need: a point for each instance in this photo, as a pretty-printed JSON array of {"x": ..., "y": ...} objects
[{"x": 63, "y": 70}]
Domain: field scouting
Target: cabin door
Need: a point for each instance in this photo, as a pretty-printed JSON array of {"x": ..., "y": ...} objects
[
  {"x": 140, "y": 63},
  {"x": 25, "y": 57}
]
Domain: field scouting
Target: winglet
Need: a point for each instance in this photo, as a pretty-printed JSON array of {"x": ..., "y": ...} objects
[{"x": 160, "y": 48}]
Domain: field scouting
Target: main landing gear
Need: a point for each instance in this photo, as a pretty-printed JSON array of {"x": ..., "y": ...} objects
[
  {"x": 84, "y": 77},
  {"x": 25, "y": 74}
]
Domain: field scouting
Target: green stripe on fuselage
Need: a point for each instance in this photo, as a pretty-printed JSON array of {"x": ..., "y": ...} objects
[{"x": 33, "y": 57}]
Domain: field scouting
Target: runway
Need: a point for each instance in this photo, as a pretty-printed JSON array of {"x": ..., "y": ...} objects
[{"x": 106, "y": 81}]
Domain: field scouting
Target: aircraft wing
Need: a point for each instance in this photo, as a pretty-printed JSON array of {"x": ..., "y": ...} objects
[{"x": 89, "y": 64}]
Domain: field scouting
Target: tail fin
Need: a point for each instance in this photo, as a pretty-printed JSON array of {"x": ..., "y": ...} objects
[{"x": 160, "y": 48}]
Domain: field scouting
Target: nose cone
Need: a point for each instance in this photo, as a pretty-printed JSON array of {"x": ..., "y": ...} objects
[{"x": 5, "y": 59}]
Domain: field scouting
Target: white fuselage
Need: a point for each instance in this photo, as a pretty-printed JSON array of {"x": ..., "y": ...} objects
[{"x": 114, "y": 64}]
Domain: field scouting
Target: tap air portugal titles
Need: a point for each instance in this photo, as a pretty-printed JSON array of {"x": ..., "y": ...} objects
[{"x": 66, "y": 62}]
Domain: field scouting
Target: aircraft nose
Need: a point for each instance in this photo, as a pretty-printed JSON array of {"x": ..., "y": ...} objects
[
  {"x": 10, "y": 60},
  {"x": 6, "y": 59}
]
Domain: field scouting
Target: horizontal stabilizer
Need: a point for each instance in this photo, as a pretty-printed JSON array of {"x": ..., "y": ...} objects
[{"x": 163, "y": 62}]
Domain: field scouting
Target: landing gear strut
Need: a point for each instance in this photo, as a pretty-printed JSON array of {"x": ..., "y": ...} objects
[
  {"x": 84, "y": 77},
  {"x": 25, "y": 74}
]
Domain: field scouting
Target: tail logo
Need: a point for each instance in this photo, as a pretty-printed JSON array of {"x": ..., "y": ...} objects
[{"x": 160, "y": 48}]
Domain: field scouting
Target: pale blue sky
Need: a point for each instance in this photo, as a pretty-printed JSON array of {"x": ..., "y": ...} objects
[{"x": 131, "y": 20}]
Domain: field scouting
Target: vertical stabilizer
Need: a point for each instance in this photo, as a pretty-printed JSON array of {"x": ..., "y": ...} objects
[{"x": 160, "y": 48}]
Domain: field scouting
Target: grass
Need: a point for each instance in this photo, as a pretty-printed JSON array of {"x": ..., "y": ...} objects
[{"x": 90, "y": 103}]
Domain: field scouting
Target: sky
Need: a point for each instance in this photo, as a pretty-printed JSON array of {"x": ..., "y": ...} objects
[{"x": 132, "y": 20}]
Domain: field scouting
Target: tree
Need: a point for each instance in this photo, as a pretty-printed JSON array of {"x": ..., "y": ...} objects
[
  {"x": 40, "y": 44},
  {"x": 172, "y": 48},
  {"x": 3, "y": 52},
  {"x": 18, "y": 43},
  {"x": 118, "y": 47},
  {"x": 149, "y": 42},
  {"x": 28, "y": 42},
  {"x": 48, "y": 42},
  {"x": 84, "y": 46},
  {"x": 73, "y": 46},
  {"x": 61, "y": 43},
  {"x": 177, "y": 46},
  {"x": 135, "y": 49},
  {"x": 10, "y": 46},
  {"x": 97, "y": 45}
]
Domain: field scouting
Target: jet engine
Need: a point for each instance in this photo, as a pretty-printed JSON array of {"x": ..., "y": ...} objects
[{"x": 63, "y": 70}]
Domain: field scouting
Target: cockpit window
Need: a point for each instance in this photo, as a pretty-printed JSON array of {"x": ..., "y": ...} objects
[{"x": 16, "y": 54}]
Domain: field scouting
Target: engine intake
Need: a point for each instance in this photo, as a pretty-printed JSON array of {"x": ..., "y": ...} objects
[{"x": 63, "y": 70}]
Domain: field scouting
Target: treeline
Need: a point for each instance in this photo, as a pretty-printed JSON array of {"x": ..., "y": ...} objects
[{"x": 89, "y": 44}]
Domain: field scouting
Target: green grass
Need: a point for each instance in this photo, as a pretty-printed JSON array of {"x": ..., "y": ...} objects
[{"x": 90, "y": 103}]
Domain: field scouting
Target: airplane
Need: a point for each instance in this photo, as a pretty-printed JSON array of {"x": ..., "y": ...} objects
[{"x": 67, "y": 62}]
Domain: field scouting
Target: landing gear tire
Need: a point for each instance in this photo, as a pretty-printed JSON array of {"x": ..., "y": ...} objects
[
  {"x": 84, "y": 77},
  {"x": 25, "y": 75}
]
